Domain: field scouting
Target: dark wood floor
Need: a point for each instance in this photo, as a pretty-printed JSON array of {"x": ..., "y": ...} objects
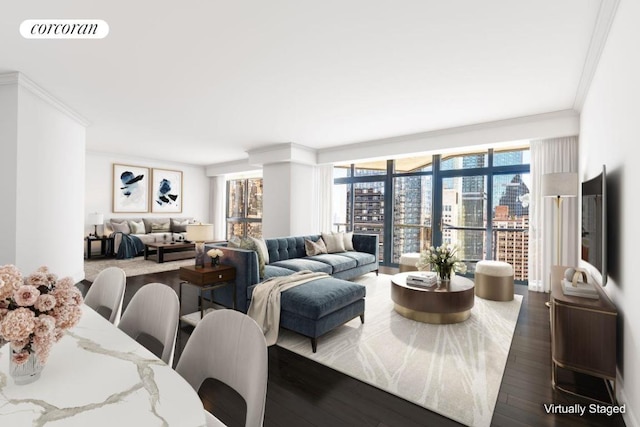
[{"x": 304, "y": 393}]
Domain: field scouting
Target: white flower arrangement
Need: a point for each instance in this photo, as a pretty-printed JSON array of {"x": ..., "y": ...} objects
[
  {"x": 215, "y": 253},
  {"x": 443, "y": 259}
]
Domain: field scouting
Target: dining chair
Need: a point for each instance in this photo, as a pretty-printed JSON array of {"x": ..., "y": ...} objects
[
  {"x": 154, "y": 310},
  {"x": 229, "y": 346},
  {"x": 106, "y": 293}
]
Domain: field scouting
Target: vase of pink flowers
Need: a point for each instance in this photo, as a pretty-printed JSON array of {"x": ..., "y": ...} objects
[{"x": 34, "y": 313}]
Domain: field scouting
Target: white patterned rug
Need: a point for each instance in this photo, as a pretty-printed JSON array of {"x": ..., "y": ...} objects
[
  {"x": 132, "y": 267},
  {"x": 455, "y": 370}
]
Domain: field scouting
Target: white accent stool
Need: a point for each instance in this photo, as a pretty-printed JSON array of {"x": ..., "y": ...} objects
[
  {"x": 408, "y": 261},
  {"x": 494, "y": 280}
]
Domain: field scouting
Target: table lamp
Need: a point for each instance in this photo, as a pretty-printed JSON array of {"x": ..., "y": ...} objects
[
  {"x": 96, "y": 219},
  {"x": 200, "y": 233}
]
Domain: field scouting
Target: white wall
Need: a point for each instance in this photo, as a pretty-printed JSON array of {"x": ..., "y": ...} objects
[
  {"x": 8, "y": 171},
  {"x": 276, "y": 198},
  {"x": 99, "y": 191},
  {"x": 609, "y": 134},
  {"x": 289, "y": 190},
  {"x": 43, "y": 146},
  {"x": 303, "y": 189}
]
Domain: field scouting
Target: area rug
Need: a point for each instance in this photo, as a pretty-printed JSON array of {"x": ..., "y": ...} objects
[
  {"x": 454, "y": 370},
  {"x": 132, "y": 267}
]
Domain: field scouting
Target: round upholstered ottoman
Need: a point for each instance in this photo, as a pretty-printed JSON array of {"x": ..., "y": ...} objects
[
  {"x": 494, "y": 280},
  {"x": 408, "y": 261}
]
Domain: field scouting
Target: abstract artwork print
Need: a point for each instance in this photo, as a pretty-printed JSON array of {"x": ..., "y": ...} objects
[
  {"x": 166, "y": 191},
  {"x": 130, "y": 188}
]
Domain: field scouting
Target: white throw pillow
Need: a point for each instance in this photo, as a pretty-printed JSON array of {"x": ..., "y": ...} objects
[
  {"x": 348, "y": 241},
  {"x": 334, "y": 242},
  {"x": 137, "y": 227}
]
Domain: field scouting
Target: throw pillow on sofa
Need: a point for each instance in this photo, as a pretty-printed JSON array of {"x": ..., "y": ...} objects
[
  {"x": 137, "y": 227},
  {"x": 179, "y": 226},
  {"x": 315, "y": 248},
  {"x": 348, "y": 241},
  {"x": 334, "y": 242},
  {"x": 162, "y": 227},
  {"x": 261, "y": 248},
  {"x": 250, "y": 244},
  {"x": 120, "y": 227}
]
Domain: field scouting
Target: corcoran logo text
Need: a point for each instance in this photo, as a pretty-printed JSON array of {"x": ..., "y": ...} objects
[{"x": 64, "y": 29}]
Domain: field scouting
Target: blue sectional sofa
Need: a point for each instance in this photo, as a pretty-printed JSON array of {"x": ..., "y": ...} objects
[
  {"x": 286, "y": 256},
  {"x": 313, "y": 308}
]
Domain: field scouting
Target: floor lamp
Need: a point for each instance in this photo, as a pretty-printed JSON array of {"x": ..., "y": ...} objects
[{"x": 559, "y": 185}]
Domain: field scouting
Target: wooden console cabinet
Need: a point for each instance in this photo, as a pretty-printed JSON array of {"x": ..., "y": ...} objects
[{"x": 583, "y": 335}]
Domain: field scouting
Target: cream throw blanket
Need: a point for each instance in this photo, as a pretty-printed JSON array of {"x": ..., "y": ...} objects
[{"x": 265, "y": 302}]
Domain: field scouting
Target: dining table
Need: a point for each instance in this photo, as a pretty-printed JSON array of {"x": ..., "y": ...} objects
[{"x": 96, "y": 375}]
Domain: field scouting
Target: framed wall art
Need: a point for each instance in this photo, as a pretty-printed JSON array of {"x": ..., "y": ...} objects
[
  {"x": 166, "y": 191},
  {"x": 130, "y": 188}
]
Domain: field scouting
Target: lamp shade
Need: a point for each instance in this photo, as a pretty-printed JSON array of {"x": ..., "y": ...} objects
[
  {"x": 563, "y": 184},
  {"x": 200, "y": 232},
  {"x": 96, "y": 218}
]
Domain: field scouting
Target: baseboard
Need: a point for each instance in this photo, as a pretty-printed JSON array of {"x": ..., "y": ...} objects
[{"x": 630, "y": 415}]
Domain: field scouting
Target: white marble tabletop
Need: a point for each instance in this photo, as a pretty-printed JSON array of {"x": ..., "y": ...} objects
[{"x": 98, "y": 376}]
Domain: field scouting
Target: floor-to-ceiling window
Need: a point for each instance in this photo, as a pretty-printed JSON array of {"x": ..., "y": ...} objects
[
  {"x": 359, "y": 199},
  {"x": 412, "y": 209},
  {"x": 244, "y": 207},
  {"x": 477, "y": 200}
]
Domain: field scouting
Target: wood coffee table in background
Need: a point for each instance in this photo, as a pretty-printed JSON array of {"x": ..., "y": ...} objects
[
  {"x": 169, "y": 251},
  {"x": 434, "y": 304}
]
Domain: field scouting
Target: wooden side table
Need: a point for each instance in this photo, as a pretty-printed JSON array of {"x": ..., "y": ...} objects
[
  {"x": 207, "y": 279},
  {"x": 106, "y": 243}
]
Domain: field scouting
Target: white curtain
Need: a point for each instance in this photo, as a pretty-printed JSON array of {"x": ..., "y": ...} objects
[
  {"x": 551, "y": 156},
  {"x": 217, "y": 206},
  {"x": 323, "y": 197}
]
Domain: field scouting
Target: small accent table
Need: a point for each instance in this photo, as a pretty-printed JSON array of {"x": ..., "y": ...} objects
[
  {"x": 106, "y": 244},
  {"x": 207, "y": 279},
  {"x": 433, "y": 304}
]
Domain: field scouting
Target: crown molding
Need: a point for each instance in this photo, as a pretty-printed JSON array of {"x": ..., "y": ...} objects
[
  {"x": 605, "y": 18},
  {"x": 25, "y": 82},
  {"x": 230, "y": 168},
  {"x": 283, "y": 153}
]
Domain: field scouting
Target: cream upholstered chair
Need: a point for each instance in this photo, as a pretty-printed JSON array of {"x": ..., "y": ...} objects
[
  {"x": 229, "y": 346},
  {"x": 154, "y": 310},
  {"x": 106, "y": 293}
]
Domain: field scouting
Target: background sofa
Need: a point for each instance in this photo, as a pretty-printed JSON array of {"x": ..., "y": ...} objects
[
  {"x": 148, "y": 230},
  {"x": 288, "y": 255}
]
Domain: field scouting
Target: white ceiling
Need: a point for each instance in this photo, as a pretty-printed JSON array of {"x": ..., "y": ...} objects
[{"x": 202, "y": 82}]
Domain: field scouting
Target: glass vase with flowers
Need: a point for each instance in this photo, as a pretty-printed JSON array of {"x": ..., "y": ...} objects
[
  {"x": 215, "y": 255},
  {"x": 443, "y": 260},
  {"x": 34, "y": 313}
]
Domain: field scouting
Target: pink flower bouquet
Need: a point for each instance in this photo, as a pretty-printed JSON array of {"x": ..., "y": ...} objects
[{"x": 35, "y": 311}]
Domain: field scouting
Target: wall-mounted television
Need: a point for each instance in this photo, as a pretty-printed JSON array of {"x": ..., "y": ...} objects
[{"x": 594, "y": 226}]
